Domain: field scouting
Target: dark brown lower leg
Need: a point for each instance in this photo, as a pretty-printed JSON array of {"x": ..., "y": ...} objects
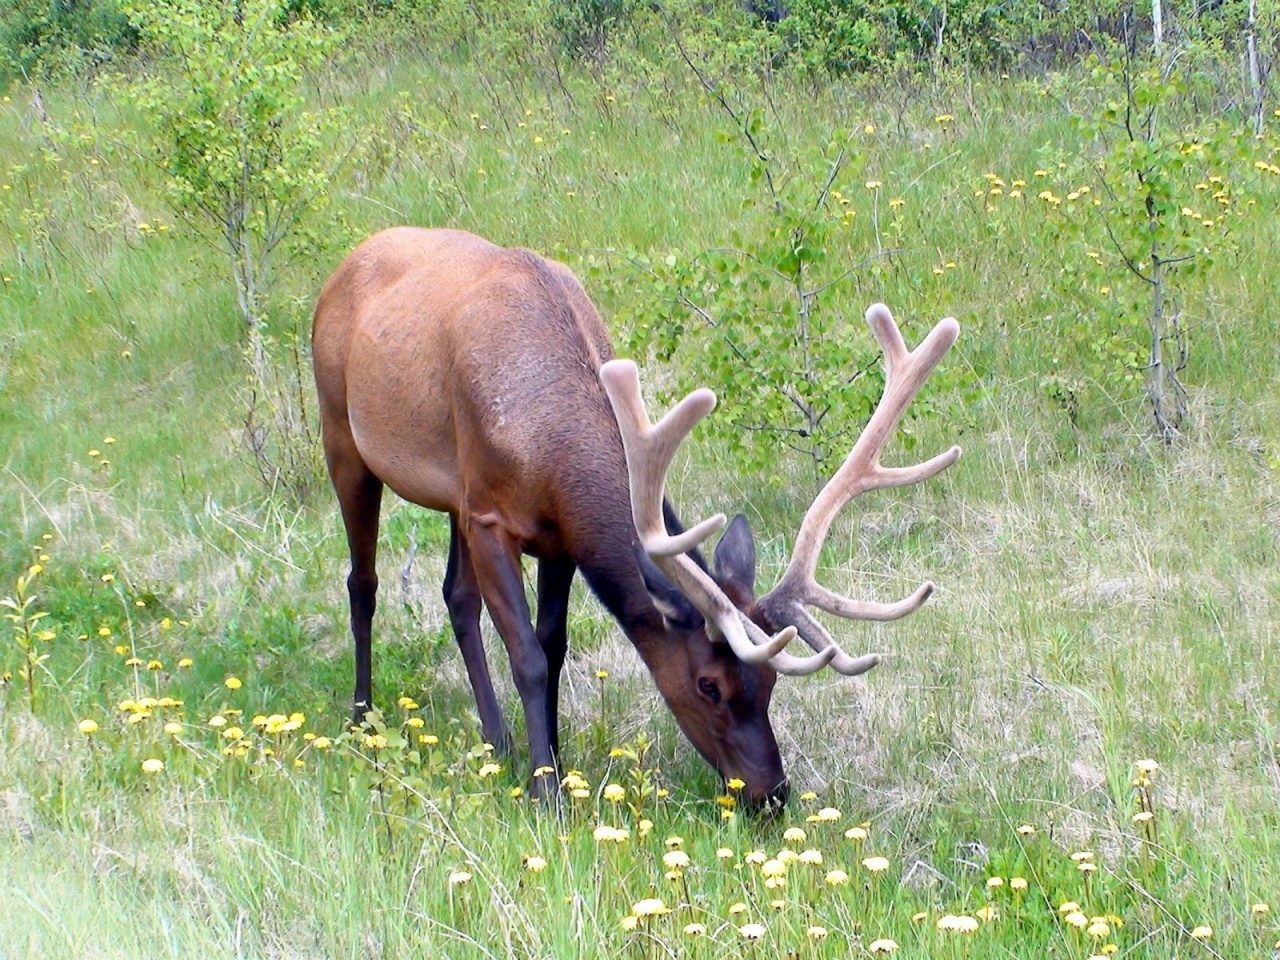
[{"x": 463, "y": 600}]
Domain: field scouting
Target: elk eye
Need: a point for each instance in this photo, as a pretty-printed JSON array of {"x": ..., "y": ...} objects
[{"x": 709, "y": 689}]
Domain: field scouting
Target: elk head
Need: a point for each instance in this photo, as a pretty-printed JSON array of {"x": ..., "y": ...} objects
[{"x": 720, "y": 681}]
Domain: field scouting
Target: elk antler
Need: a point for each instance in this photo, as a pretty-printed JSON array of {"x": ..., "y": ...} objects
[
  {"x": 905, "y": 372},
  {"x": 649, "y": 449}
]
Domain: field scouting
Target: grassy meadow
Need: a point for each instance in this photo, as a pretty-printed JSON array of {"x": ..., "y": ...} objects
[{"x": 1070, "y": 752}]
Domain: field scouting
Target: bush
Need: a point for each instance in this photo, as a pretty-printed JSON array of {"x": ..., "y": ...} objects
[{"x": 34, "y": 33}]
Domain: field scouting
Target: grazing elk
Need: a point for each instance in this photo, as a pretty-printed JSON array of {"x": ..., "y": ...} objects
[{"x": 479, "y": 381}]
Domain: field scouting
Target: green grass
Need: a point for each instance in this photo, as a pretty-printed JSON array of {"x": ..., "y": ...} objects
[{"x": 1102, "y": 598}]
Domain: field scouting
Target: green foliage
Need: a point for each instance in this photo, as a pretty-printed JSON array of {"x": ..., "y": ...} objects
[
  {"x": 248, "y": 164},
  {"x": 28, "y": 634},
  {"x": 37, "y": 33}
]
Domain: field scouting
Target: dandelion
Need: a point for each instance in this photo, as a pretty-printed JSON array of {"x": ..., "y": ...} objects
[
  {"x": 756, "y": 857},
  {"x": 794, "y": 835},
  {"x": 737, "y": 908},
  {"x": 876, "y": 864},
  {"x": 856, "y": 834},
  {"x": 735, "y": 783},
  {"x": 488, "y": 770},
  {"x": 1018, "y": 884},
  {"x": 321, "y": 743},
  {"x": 650, "y": 907},
  {"x": 217, "y": 721},
  {"x": 459, "y": 878},
  {"x": 995, "y": 883},
  {"x": 773, "y": 868},
  {"x": 152, "y": 766},
  {"x": 808, "y": 796},
  {"x": 232, "y": 683},
  {"x": 694, "y": 930},
  {"x": 1076, "y": 919},
  {"x": 173, "y": 728},
  {"x": 811, "y": 857},
  {"x": 1099, "y": 928},
  {"x": 836, "y": 878},
  {"x": 957, "y": 924},
  {"x": 1204, "y": 932},
  {"x": 374, "y": 741},
  {"x": 607, "y": 834},
  {"x": 816, "y": 933},
  {"x": 874, "y": 184},
  {"x": 752, "y": 931},
  {"x": 724, "y": 853},
  {"x": 989, "y": 914},
  {"x": 883, "y": 946},
  {"x": 185, "y": 662},
  {"x": 944, "y": 118},
  {"x": 1260, "y": 910},
  {"x": 90, "y": 727},
  {"x": 673, "y": 843},
  {"x": 675, "y": 860}
]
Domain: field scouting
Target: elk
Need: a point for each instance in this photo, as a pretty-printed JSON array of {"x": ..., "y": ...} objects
[{"x": 479, "y": 381}]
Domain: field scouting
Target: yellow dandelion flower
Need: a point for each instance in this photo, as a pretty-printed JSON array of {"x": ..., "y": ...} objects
[
  {"x": 995, "y": 883},
  {"x": 1076, "y": 919},
  {"x": 321, "y": 743},
  {"x": 876, "y": 864},
  {"x": 675, "y": 860},
  {"x": 811, "y": 857},
  {"x": 489, "y": 770},
  {"x": 1147, "y": 766},
  {"x": 694, "y": 930},
  {"x": 737, "y": 908},
  {"x": 808, "y": 796},
  {"x": 649, "y": 907},
  {"x": 884, "y": 945},
  {"x": 1260, "y": 909},
  {"x": 1202, "y": 933},
  {"x": 724, "y": 853},
  {"x": 794, "y": 835},
  {"x": 615, "y": 793},
  {"x": 1082, "y": 855},
  {"x": 989, "y": 913},
  {"x": 232, "y": 683},
  {"x": 1098, "y": 929},
  {"x": 459, "y": 878},
  {"x": 836, "y": 878},
  {"x": 185, "y": 662},
  {"x": 735, "y": 783},
  {"x": 816, "y": 933},
  {"x": 1018, "y": 884},
  {"x": 856, "y": 834},
  {"x": 173, "y": 728},
  {"x": 874, "y": 184},
  {"x": 88, "y": 727},
  {"x": 752, "y": 931},
  {"x": 1069, "y": 907},
  {"x": 756, "y": 857},
  {"x": 152, "y": 766},
  {"x": 773, "y": 868}
]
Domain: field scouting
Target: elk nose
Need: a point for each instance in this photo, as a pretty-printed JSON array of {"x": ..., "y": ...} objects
[{"x": 768, "y": 800}]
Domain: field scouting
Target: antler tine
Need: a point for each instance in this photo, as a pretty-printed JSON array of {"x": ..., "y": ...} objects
[
  {"x": 649, "y": 450},
  {"x": 905, "y": 372}
]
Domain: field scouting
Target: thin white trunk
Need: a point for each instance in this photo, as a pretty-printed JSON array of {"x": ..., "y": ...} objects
[
  {"x": 1255, "y": 75},
  {"x": 1157, "y": 22}
]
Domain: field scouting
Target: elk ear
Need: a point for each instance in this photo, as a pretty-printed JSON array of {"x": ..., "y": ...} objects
[
  {"x": 735, "y": 557},
  {"x": 675, "y": 608}
]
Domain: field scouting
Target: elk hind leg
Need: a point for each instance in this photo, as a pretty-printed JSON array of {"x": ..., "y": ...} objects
[{"x": 360, "y": 499}]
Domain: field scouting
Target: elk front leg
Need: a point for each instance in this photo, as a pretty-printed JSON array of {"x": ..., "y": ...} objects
[
  {"x": 463, "y": 600},
  {"x": 555, "y": 578},
  {"x": 495, "y": 557}
]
